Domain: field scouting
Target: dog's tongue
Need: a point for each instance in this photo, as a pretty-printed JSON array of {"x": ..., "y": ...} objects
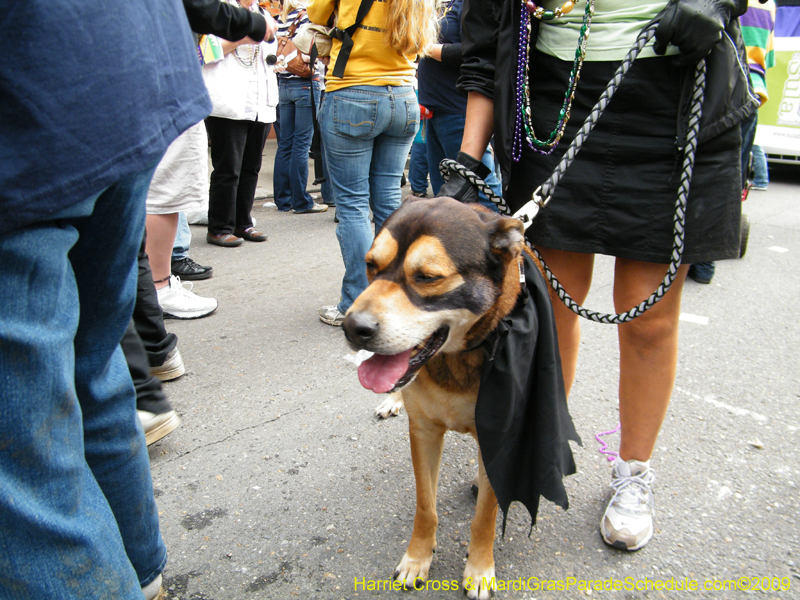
[{"x": 381, "y": 372}]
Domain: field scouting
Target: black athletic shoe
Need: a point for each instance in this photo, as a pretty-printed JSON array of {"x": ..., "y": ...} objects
[{"x": 187, "y": 269}]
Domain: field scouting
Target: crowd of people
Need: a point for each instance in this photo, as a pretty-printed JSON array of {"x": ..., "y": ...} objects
[{"x": 82, "y": 338}]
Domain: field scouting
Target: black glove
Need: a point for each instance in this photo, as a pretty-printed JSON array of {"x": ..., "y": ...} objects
[
  {"x": 460, "y": 188},
  {"x": 694, "y": 26}
]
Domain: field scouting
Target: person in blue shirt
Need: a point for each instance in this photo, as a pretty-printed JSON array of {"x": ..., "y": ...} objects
[{"x": 92, "y": 96}]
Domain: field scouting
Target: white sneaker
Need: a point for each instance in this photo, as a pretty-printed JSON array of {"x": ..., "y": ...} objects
[
  {"x": 331, "y": 315},
  {"x": 153, "y": 590},
  {"x": 172, "y": 368},
  {"x": 628, "y": 521},
  {"x": 156, "y": 426},
  {"x": 178, "y": 302}
]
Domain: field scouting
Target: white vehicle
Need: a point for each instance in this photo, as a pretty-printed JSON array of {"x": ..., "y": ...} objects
[{"x": 778, "y": 131}]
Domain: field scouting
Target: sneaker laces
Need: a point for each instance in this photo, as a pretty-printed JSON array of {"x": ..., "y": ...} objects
[
  {"x": 630, "y": 491},
  {"x": 191, "y": 264},
  {"x": 183, "y": 288}
]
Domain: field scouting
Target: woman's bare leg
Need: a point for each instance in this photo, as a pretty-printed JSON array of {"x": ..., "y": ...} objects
[
  {"x": 574, "y": 271},
  {"x": 648, "y": 354},
  {"x": 161, "y": 230}
]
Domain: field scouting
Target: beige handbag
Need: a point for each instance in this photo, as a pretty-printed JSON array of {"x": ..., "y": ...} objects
[{"x": 311, "y": 33}]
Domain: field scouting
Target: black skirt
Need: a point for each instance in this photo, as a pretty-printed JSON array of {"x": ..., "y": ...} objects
[{"x": 618, "y": 196}]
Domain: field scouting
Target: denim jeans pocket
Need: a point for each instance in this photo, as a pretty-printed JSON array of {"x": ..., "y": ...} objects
[
  {"x": 354, "y": 118},
  {"x": 412, "y": 115}
]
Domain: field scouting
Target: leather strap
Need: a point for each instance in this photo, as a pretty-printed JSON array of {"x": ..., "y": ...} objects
[{"x": 345, "y": 36}]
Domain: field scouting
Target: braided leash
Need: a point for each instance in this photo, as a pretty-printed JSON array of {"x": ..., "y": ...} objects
[
  {"x": 544, "y": 192},
  {"x": 448, "y": 165}
]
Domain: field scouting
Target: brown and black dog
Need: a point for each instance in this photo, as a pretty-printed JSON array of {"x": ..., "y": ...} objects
[{"x": 442, "y": 275}]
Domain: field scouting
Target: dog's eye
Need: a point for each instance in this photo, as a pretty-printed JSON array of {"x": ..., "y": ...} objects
[
  {"x": 423, "y": 278},
  {"x": 370, "y": 266}
]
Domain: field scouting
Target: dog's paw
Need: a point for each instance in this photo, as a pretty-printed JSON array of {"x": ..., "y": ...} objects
[
  {"x": 390, "y": 407},
  {"x": 479, "y": 584},
  {"x": 413, "y": 572}
]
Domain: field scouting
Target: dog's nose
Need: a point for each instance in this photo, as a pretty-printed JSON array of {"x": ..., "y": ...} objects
[{"x": 360, "y": 327}]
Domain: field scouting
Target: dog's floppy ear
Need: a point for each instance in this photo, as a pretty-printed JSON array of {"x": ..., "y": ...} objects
[{"x": 507, "y": 236}]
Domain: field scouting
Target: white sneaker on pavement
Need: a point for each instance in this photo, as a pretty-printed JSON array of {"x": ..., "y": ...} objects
[
  {"x": 153, "y": 590},
  {"x": 178, "y": 302},
  {"x": 628, "y": 521},
  {"x": 156, "y": 426},
  {"x": 331, "y": 315},
  {"x": 172, "y": 368}
]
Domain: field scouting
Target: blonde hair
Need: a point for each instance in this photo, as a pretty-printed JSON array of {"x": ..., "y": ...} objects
[
  {"x": 411, "y": 26},
  {"x": 289, "y": 6}
]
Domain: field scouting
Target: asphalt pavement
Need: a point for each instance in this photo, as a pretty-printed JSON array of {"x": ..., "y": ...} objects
[{"x": 281, "y": 483}]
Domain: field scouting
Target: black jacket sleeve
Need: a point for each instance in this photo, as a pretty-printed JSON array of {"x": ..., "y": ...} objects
[
  {"x": 480, "y": 27},
  {"x": 490, "y": 45},
  {"x": 224, "y": 20}
]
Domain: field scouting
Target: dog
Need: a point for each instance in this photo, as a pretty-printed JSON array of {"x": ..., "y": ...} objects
[{"x": 442, "y": 275}]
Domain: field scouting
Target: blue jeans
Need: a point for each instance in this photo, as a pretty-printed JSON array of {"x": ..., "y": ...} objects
[
  {"x": 443, "y": 140},
  {"x": 290, "y": 174},
  {"x": 367, "y": 133},
  {"x": 760, "y": 167},
  {"x": 183, "y": 238},
  {"x": 77, "y": 512},
  {"x": 418, "y": 168}
]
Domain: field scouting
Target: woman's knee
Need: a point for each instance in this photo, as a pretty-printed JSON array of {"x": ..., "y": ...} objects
[{"x": 650, "y": 331}]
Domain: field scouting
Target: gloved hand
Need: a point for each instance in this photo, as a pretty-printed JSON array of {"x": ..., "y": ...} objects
[
  {"x": 459, "y": 187},
  {"x": 694, "y": 26}
]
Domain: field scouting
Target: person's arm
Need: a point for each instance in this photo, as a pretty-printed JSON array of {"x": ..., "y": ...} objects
[
  {"x": 478, "y": 129},
  {"x": 479, "y": 35},
  {"x": 228, "y": 47},
  {"x": 479, "y": 124},
  {"x": 479, "y": 38},
  {"x": 758, "y": 32},
  {"x": 227, "y": 21}
]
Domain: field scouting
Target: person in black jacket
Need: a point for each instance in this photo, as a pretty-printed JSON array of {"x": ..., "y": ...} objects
[{"x": 618, "y": 197}]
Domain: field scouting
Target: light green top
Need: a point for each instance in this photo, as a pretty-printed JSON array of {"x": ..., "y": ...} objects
[{"x": 615, "y": 26}]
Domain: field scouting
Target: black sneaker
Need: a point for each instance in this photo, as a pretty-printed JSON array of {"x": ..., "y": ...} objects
[{"x": 187, "y": 269}]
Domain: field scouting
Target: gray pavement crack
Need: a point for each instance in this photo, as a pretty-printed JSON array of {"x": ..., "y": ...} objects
[{"x": 230, "y": 436}]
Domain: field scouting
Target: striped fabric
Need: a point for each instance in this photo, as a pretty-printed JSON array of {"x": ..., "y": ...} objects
[
  {"x": 283, "y": 31},
  {"x": 758, "y": 30}
]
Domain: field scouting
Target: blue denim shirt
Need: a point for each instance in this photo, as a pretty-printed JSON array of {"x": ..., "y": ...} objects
[{"x": 90, "y": 93}]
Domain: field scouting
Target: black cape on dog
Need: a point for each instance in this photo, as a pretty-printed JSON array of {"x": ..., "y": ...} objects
[{"x": 521, "y": 413}]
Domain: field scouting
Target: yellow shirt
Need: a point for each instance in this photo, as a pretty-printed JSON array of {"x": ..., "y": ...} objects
[{"x": 371, "y": 61}]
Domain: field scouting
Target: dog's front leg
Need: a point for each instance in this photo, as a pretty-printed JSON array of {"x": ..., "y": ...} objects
[
  {"x": 479, "y": 582},
  {"x": 427, "y": 440}
]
